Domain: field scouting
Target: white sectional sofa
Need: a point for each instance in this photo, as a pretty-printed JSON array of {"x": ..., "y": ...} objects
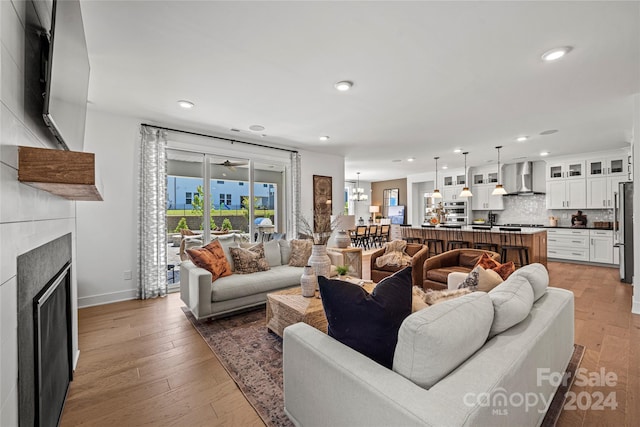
[
  {"x": 449, "y": 369},
  {"x": 237, "y": 291}
]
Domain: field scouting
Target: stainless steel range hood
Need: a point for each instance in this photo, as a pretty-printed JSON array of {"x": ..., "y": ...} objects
[{"x": 524, "y": 180}]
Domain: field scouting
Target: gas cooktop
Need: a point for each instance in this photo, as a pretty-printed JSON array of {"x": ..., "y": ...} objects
[{"x": 524, "y": 225}]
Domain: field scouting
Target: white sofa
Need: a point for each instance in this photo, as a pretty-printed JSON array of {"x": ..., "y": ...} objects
[
  {"x": 238, "y": 291},
  {"x": 328, "y": 384}
]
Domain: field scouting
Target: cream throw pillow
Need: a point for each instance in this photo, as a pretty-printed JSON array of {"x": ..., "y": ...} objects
[{"x": 488, "y": 279}]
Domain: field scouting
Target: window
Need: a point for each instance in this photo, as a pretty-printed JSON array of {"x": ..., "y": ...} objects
[
  {"x": 188, "y": 197},
  {"x": 265, "y": 185},
  {"x": 225, "y": 199}
]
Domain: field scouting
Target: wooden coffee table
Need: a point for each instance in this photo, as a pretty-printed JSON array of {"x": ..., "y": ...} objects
[{"x": 288, "y": 306}]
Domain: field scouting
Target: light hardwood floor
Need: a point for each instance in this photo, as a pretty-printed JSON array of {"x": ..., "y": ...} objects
[{"x": 141, "y": 362}]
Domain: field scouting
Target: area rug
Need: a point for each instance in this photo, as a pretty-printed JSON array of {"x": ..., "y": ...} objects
[{"x": 253, "y": 358}]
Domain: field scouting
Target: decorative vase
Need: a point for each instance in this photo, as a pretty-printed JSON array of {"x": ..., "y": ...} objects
[
  {"x": 320, "y": 261},
  {"x": 342, "y": 239},
  {"x": 308, "y": 282}
]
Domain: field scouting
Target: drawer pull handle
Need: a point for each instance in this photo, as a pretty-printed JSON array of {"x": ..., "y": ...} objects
[
  {"x": 573, "y": 253},
  {"x": 576, "y": 241}
]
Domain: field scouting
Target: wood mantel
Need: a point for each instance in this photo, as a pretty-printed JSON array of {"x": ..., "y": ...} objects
[{"x": 68, "y": 174}]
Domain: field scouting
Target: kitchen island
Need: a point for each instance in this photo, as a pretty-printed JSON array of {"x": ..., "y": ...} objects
[{"x": 534, "y": 238}]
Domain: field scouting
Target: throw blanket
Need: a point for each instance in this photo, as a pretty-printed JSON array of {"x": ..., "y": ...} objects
[
  {"x": 423, "y": 299},
  {"x": 394, "y": 254}
]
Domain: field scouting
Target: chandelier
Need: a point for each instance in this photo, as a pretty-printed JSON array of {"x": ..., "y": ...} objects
[{"x": 358, "y": 192}]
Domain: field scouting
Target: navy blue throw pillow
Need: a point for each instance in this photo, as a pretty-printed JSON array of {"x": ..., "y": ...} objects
[{"x": 368, "y": 323}]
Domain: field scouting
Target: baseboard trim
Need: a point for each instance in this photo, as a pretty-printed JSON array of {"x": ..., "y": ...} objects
[
  {"x": 90, "y": 301},
  {"x": 635, "y": 308},
  {"x": 75, "y": 360}
]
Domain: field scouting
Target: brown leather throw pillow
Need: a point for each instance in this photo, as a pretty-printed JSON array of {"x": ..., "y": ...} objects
[{"x": 211, "y": 258}]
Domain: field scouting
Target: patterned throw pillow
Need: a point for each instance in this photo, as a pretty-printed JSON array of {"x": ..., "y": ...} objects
[
  {"x": 472, "y": 279},
  {"x": 212, "y": 259},
  {"x": 249, "y": 260},
  {"x": 300, "y": 252}
]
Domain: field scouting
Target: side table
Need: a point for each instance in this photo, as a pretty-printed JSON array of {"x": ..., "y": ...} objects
[{"x": 351, "y": 257}]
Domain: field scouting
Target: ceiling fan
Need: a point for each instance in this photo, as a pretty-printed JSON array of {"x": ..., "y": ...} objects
[{"x": 231, "y": 165}]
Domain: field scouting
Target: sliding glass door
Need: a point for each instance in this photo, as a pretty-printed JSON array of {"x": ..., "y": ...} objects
[{"x": 209, "y": 196}]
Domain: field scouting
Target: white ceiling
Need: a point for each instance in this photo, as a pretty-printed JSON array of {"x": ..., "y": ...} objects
[{"x": 429, "y": 76}]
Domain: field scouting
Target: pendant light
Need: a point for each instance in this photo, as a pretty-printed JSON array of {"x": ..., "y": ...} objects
[
  {"x": 358, "y": 192},
  {"x": 499, "y": 190},
  {"x": 436, "y": 193},
  {"x": 465, "y": 191}
]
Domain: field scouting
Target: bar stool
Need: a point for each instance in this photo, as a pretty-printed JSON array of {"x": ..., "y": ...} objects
[
  {"x": 482, "y": 238},
  {"x": 432, "y": 241},
  {"x": 511, "y": 240},
  {"x": 454, "y": 238},
  {"x": 407, "y": 234}
]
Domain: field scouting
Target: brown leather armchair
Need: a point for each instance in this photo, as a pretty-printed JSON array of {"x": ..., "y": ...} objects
[
  {"x": 437, "y": 268},
  {"x": 418, "y": 255}
]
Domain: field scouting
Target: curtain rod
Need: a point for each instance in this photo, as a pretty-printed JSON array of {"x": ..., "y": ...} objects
[{"x": 219, "y": 137}]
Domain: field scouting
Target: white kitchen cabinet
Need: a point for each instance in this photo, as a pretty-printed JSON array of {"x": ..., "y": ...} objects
[
  {"x": 484, "y": 177},
  {"x": 567, "y": 194},
  {"x": 567, "y": 243},
  {"x": 483, "y": 199},
  {"x": 607, "y": 166},
  {"x": 600, "y": 191},
  {"x": 601, "y": 246},
  {"x": 452, "y": 193},
  {"x": 561, "y": 170}
]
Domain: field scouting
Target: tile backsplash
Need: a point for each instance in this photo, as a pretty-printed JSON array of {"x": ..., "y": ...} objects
[{"x": 533, "y": 210}]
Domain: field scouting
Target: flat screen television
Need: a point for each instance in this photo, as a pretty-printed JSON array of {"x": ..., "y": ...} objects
[
  {"x": 67, "y": 76},
  {"x": 396, "y": 214}
]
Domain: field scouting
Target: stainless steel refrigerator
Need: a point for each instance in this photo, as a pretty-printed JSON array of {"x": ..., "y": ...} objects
[{"x": 623, "y": 229}]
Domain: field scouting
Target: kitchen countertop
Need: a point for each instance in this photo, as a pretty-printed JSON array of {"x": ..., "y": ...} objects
[
  {"x": 579, "y": 228},
  {"x": 496, "y": 229}
]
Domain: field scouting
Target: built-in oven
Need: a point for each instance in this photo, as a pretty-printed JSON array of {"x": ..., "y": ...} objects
[{"x": 455, "y": 212}]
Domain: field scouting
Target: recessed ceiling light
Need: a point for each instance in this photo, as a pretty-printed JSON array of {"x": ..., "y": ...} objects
[
  {"x": 445, "y": 167},
  {"x": 544, "y": 153},
  {"x": 457, "y": 150},
  {"x": 187, "y": 105},
  {"x": 396, "y": 161},
  {"x": 344, "y": 85},
  {"x": 324, "y": 138},
  {"x": 549, "y": 132},
  {"x": 256, "y": 128},
  {"x": 522, "y": 138},
  {"x": 556, "y": 53},
  {"x": 411, "y": 159}
]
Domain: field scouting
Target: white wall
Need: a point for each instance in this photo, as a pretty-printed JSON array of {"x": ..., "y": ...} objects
[
  {"x": 28, "y": 217},
  {"x": 107, "y": 230},
  {"x": 414, "y": 194},
  {"x": 312, "y": 163},
  {"x": 636, "y": 204}
]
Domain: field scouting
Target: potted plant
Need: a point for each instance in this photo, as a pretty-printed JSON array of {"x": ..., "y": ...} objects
[{"x": 342, "y": 270}]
